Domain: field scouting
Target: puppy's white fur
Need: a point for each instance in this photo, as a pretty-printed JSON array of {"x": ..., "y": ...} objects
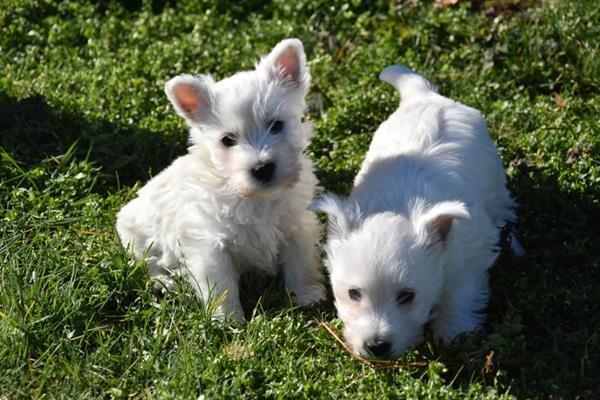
[
  {"x": 424, "y": 217},
  {"x": 206, "y": 217}
]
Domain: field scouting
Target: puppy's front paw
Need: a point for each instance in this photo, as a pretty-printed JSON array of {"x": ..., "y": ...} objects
[
  {"x": 447, "y": 326},
  {"x": 309, "y": 294}
]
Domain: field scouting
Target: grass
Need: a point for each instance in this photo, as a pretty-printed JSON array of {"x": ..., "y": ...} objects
[{"x": 84, "y": 123}]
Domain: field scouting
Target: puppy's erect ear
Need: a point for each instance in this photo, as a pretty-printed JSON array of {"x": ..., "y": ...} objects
[
  {"x": 287, "y": 63},
  {"x": 342, "y": 217},
  {"x": 434, "y": 225},
  {"x": 191, "y": 96}
]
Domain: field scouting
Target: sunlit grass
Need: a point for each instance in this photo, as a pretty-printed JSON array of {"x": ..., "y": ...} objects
[{"x": 84, "y": 122}]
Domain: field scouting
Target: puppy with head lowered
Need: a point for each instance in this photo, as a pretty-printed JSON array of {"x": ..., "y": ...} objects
[
  {"x": 239, "y": 198},
  {"x": 415, "y": 238}
]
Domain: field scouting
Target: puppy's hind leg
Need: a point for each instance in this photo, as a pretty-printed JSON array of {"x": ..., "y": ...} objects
[
  {"x": 163, "y": 277},
  {"x": 301, "y": 263},
  {"x": 136, "y": 235}
]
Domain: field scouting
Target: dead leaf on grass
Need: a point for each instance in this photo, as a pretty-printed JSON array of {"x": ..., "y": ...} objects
[
  {"x": 489, "y": 363},
  {"x": 444, "y": 3},
  {"x": 560, "y": 101},
  {"x": 573, "y": 155}
]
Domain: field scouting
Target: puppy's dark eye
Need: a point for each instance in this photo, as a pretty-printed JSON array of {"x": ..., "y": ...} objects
[
  {"x": 405, "y": 297},
  {"x": 354, "y": 294},
  {"x": 229, "y": 140},
  {"x": 276, "y": 127}
]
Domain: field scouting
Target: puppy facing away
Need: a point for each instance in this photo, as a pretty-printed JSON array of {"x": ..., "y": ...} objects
[
  {"x": 239, "y": 198},
  {"x": 415, "y": 238}
]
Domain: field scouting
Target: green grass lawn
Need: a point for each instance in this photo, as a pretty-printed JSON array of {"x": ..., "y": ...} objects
[{"x": 84, "y": 123}]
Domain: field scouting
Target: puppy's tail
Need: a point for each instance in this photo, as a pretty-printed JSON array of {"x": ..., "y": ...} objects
[{"x": 407, "y": 82}]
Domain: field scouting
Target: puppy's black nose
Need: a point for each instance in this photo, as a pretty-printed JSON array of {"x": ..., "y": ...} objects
[
  {"x": 378, "y": 348},
  {"x": 264, "y": 172}
]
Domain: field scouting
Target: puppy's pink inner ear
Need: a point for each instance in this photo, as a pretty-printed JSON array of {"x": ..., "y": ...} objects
[
  {"x": 289, "y": 64},
  {"x": 188, "y": 98},
  {"x": 441, "y": 227}
]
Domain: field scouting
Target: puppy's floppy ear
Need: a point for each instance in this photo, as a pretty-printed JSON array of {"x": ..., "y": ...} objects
[
  {"x": 342, "y": 217},
  {"x": 434, "y": 225},
  {"x": 191, "y": 96},
  {"x": 287, "y": 63}
]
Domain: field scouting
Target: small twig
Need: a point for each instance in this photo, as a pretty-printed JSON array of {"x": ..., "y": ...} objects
[
  {"x": 95, "y": 233},
  {"x": 374, "y": 363}
]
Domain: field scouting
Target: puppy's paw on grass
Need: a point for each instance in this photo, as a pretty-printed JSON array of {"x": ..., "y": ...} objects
[{"x": 309, "y": 295}]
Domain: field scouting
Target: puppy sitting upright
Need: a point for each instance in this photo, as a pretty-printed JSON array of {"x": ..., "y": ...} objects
[
  {"x": 239, "y": 198},
  {"x": 415, "y": 239}
]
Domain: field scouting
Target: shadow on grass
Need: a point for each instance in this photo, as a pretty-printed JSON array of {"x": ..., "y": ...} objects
[
  {"x": 31, "y": 130},
  {"x": 266, "y": 294},
  {"x": 543, "y": 329}
]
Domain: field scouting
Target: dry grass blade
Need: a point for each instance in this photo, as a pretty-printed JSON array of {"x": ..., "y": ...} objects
[
  {"x": 374, "y": 363},
  {"x": 95, "y": 233}
]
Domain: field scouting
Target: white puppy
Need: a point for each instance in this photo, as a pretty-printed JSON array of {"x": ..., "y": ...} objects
[
  {"x": 415, "y": 239},
  {"x": 239, "y": 198}
]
